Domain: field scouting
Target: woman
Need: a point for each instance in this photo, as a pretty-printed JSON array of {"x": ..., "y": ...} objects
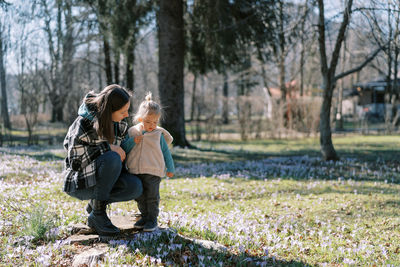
[{"x": 97, "y": 143}]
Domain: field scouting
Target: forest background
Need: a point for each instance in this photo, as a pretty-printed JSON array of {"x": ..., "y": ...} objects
[
  {"x": 284, "y": 116},
  {"x": 222, "y": 69}
]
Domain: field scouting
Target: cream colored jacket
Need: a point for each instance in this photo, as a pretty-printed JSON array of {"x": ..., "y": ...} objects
[{"x": 146, "y": 157}]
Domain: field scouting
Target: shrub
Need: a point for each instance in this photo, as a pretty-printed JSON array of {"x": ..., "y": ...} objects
[{"x": 39, "y": 225}]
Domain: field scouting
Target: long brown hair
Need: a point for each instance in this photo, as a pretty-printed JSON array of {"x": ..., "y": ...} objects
[{"x": 112, "y": 98}]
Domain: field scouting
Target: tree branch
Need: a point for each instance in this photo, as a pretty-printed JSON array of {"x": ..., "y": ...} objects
[
  {"x": 321, "y": 37},
  {"x": 340, "y": 38},
  {"x": 359, "y": 67}
]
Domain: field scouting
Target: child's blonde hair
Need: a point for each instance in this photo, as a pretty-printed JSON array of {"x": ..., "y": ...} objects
[{"x": 148, "y": 107}]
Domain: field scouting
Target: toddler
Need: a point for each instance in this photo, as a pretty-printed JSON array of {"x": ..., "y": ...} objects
[{"x": 149, "y": 159}]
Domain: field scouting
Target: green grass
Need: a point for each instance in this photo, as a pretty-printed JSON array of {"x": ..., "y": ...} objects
[
  {"x": 338, "y": 214},
  {"x": 363, "y": 147},
  {"x": 312, "y": 213}
]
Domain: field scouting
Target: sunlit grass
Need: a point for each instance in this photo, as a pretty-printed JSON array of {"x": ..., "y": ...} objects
[
  {"x": 266, "y": 202},
  {"x": 308, "y": 221}
]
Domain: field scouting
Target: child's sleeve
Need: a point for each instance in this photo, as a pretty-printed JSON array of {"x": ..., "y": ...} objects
[
  {"x": 127, "y": 144},
  {"x": 169, "y": 162}
]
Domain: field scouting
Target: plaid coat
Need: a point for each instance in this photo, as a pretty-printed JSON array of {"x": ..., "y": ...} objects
[{"x": 83, "y": 146}]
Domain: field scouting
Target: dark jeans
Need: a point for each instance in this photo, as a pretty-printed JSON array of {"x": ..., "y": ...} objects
[
  {"x": 113, "y": 184},
  {"x": 149, "y": 201}
]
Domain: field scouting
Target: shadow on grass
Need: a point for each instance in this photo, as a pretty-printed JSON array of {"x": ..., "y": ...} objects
[
  {"x": 46, "y": 157},
  {"x": 177, "y": 250},
  {"x": 371, "y": 155},
  {"x": 35, "y": 154},
  {"x": 378, "y": 160},
  {"x": 360, "y": 190},
  {"x": 266, "y": 148},
  {"x": 202, "y": 155}
]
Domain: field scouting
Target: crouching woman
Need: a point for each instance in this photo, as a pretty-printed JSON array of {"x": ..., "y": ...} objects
[{"x": 96, "y": 144}]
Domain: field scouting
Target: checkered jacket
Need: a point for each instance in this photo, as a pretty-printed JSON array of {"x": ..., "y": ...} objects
[{"x": 83, "y": 146}]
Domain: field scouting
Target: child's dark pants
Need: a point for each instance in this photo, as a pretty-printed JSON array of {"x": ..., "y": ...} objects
[{"x": 149, "y": 201}]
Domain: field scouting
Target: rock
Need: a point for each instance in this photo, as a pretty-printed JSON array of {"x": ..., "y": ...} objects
[
  {"x": 89, "y": 257},
  {"x": 210, "y": 245},
  {"x": 81, "y": 229},
  {"x": 124, "y": 223},
  {"x": 83, "y": 234},
  {"x": 82, "y": 239},
  {"x": 207, "y": 244}
]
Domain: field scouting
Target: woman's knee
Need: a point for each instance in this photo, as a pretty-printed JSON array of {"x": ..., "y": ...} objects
[
  {"x": 134, "y": 187},
  {"x": 128, "y": 187},
  {"x": 111, "y": 160},
  {"x": 113, "y": 157},
  {"x": 83, "y": 194}
]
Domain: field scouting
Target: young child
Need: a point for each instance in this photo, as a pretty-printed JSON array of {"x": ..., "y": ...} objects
[{"x": 148, "y": 160}]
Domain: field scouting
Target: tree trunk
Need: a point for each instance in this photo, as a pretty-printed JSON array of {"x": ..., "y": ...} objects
[
  {"x": 192, "y": 106},
  {"x": 130, "y": 74},
  {"x": 130, "y": 62},
  {"x": 57, "y": 109},
  {"x": 30, "y": 132},
  {"x": 102, "y": 5},
  {"x": 107, "y": 60},
  {"x": 339, "y": 114},
  {"x": 171, "y": 45},
  {"x": 4, "y": 102},
  {"x": 282, "y": 47},
  {"x": 68, "y": 51},
  {"x": 328, "y": 76},
  {"x": 302, "y": 60},
  {"x": 395, "y": 89},
  {"x": 327, "y": 149},
  {"x": 395, "y": 114},
  {"x": 263, "y": 71},
  {"x": 116, "y": 67},
  {"x": 100, "y": 69},
  {"x": 303, "y": 48},
  {"x": 225, "y": 99}
]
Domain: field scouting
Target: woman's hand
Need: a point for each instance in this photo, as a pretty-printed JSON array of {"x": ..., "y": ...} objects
[
  {"x": 119, "y": 150},
  {"x": 170, "y": 174},
  {"x": 138, "y": 139}
]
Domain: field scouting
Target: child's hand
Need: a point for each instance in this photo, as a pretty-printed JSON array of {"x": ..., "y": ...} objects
[
  {"x": 170, "y": 174},
  {"x": 119, "y": 150},
  {"x": 138, "y": 139}
]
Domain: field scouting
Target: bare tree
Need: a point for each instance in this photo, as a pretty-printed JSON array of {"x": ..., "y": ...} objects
[
  {"x": 29, "y": 86},
  {"x": 31, "y": 95},
  {"x": 290, "y": 39},
  {"x": 384, "y": 19},
  {"x": 303, "y": 36},
  {"x": 61, "y": 49},
  {"x": 328, "y": 75},
  {"x": 4, "y": 102}
]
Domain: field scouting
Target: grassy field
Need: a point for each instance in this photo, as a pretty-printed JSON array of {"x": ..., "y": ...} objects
[{"x": 267, "y": 202}]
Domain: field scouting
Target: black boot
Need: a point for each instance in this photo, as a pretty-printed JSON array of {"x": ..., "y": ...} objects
[
  {"x": 89, "y": 206},
  {"x": 99, "y": 221}
]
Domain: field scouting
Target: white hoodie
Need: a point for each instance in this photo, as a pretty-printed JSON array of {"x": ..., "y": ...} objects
[{"x": 147, "y": 157}]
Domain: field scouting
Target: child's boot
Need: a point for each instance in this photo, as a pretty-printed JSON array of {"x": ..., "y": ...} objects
[
  {"x": 142, "y": 221},
  {"x": 150, "y": 225}
]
